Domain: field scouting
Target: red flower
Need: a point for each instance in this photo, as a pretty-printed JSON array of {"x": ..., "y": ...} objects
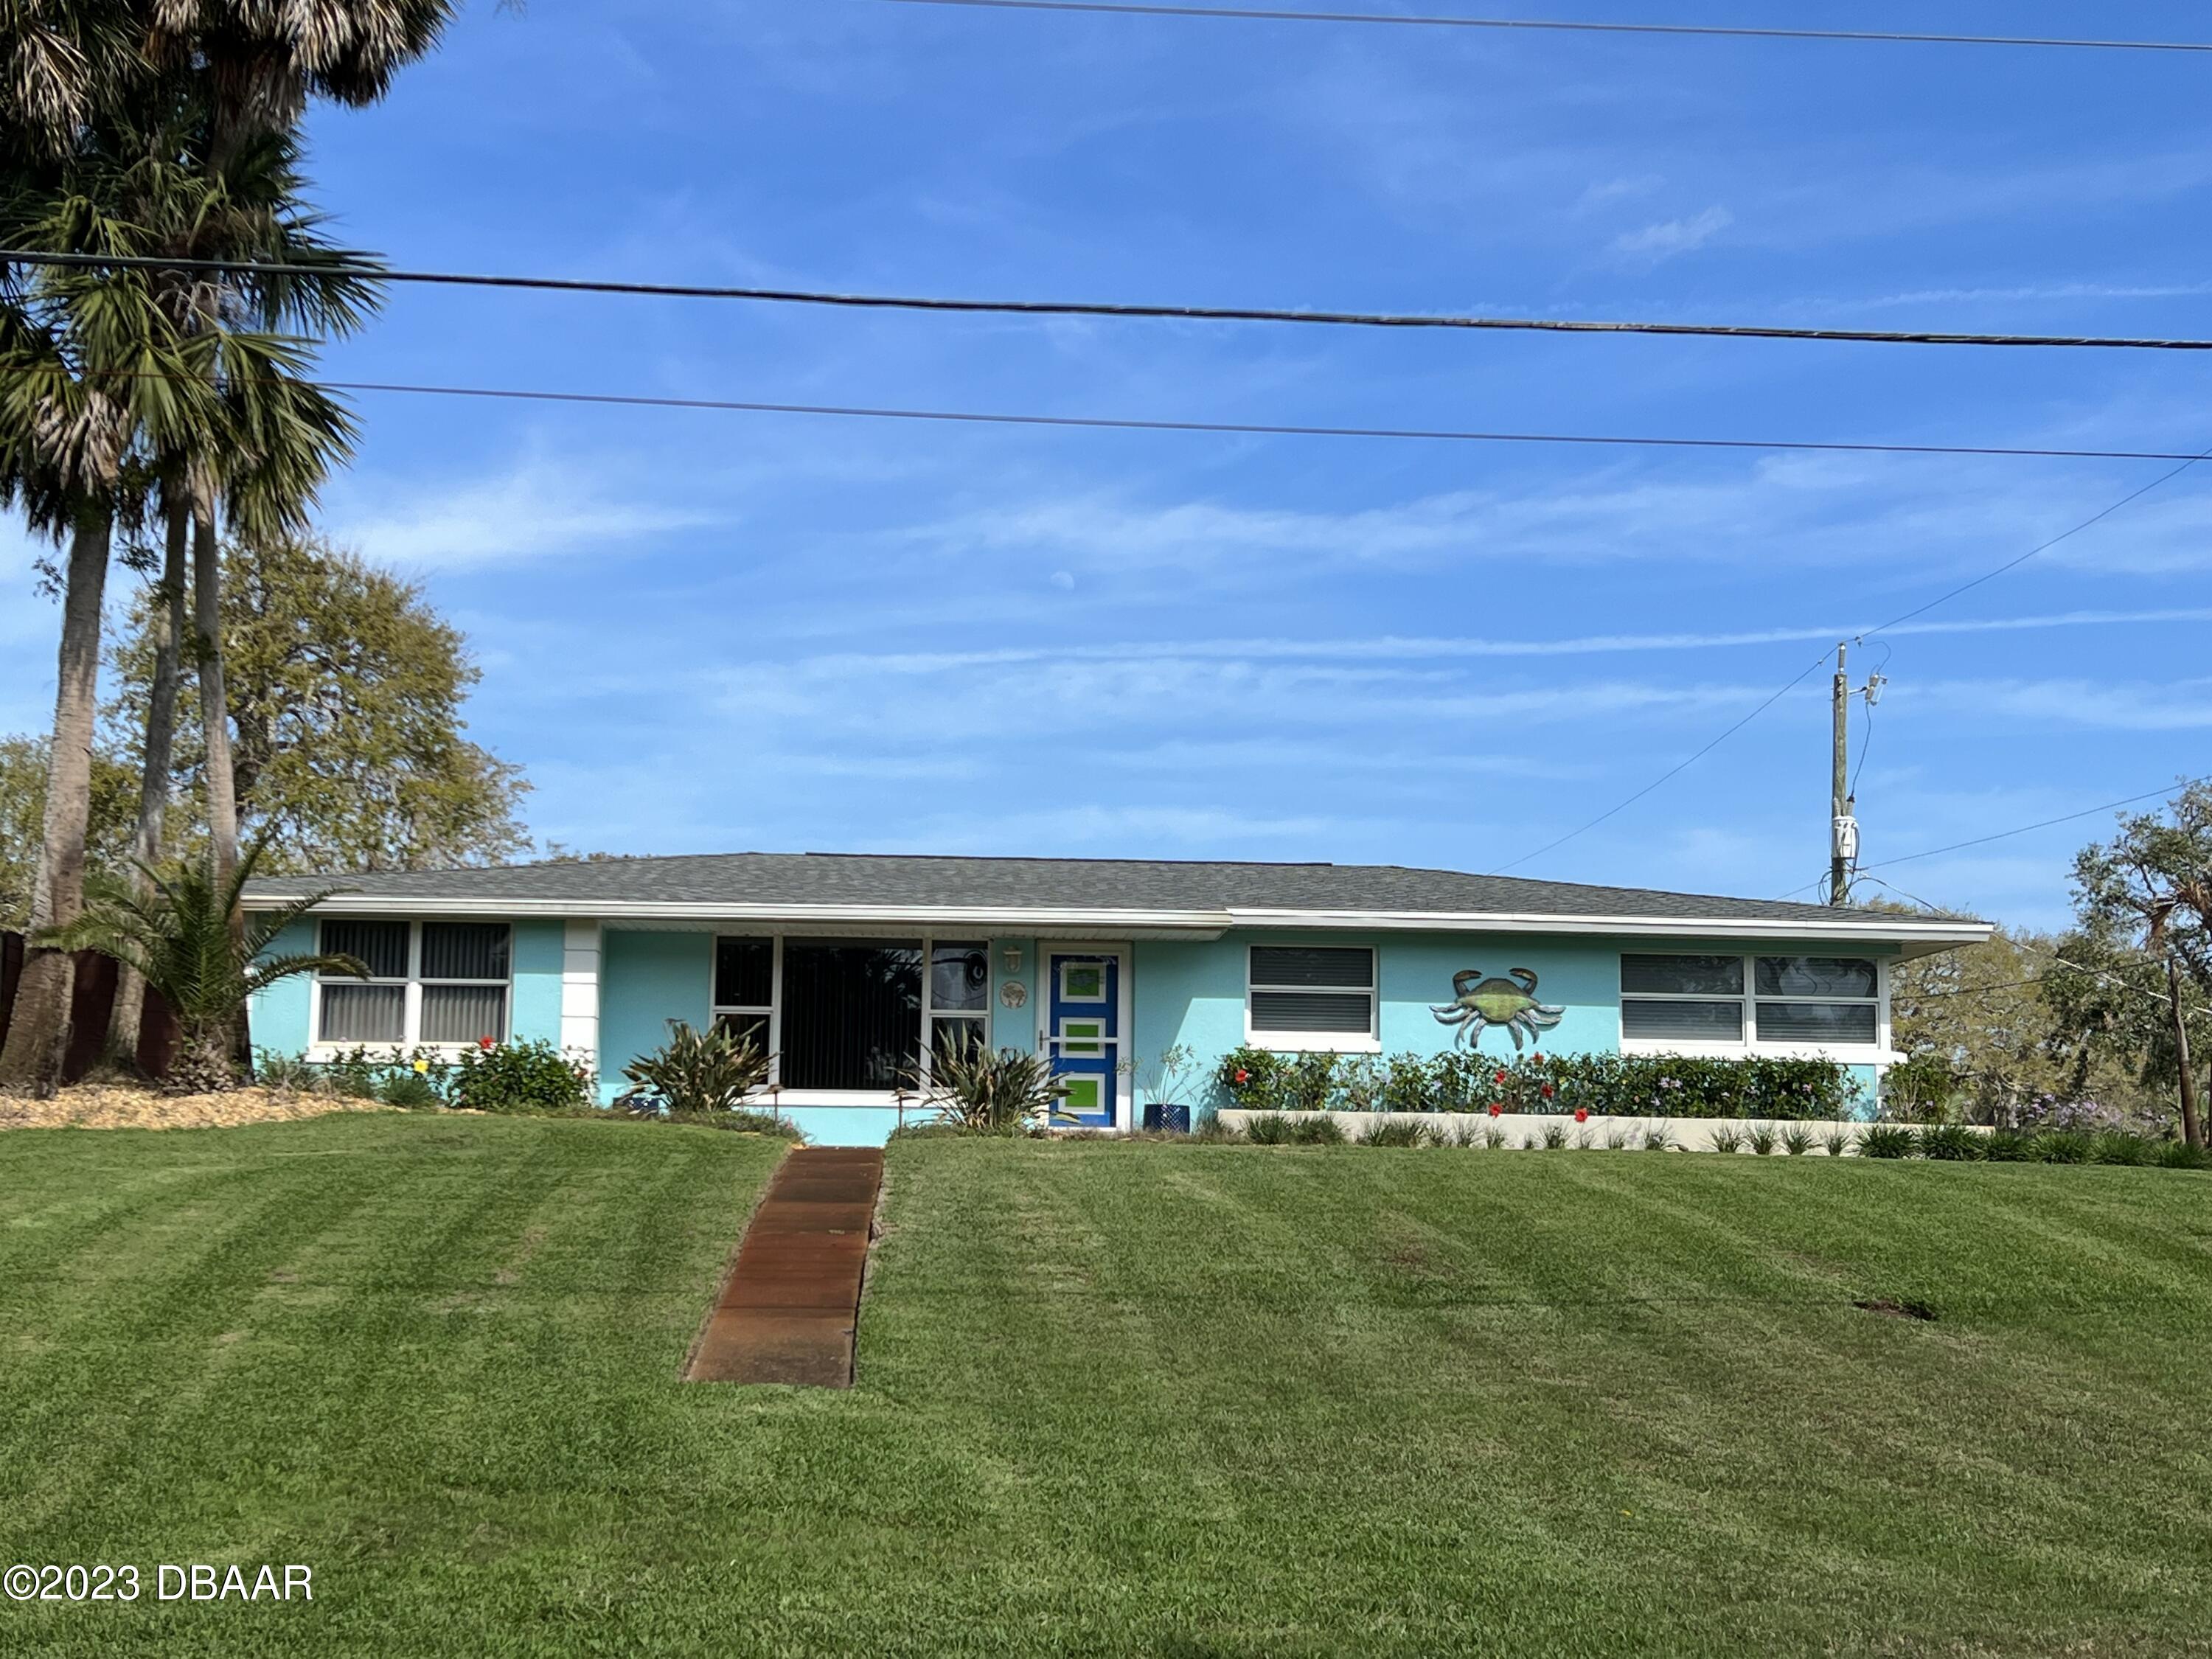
[
  {"x": 1582, "y": 1114},
  {"x": 1501, "y": 1076},
  {"x": 483, "y": 1042},
  {"x": 1546, "y": 1091},
  {"x": 1536, "y": 1056},
  {"x": 1495, "y": 1109},
  {"x": 1244, "y": 1078}
]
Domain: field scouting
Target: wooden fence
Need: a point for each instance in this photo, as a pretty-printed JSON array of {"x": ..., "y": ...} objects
[{"x": 90, "y": 1007}]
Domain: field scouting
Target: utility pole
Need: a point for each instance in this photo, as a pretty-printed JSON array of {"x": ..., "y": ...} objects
[
  {"x": 1842, "y": 807},
  {"x": 1843, "y": 827}
]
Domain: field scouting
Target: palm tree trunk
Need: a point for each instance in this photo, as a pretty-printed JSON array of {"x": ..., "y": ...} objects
[
  {"x": 123, "y": 1024},
  {"x": 39, "y": 1034},
  {"x": 215, "y": 715},
  {"x": 2192, "y": 1123}
]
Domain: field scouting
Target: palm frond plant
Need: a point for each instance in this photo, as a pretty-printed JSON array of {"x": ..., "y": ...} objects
[
  {"x": 1001, "y": 1091},
  {"x": 178, "y": 933},
  {"x": 695, "y": 1073}
]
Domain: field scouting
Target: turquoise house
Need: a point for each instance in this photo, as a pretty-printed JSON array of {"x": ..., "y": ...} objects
[{"x": 853, "y": 969}]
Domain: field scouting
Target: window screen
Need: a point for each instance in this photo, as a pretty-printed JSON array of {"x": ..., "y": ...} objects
[
  {"x": 1685, "y": 1019},
  {"x": 1818, "y": 977},
  {"x": 852, "y": 1013},
  {"x": 363, "y": 1013},
  {"x": 380, "y": 946},
  {"x": 745, "y": 973},
  {"x": 464, "y": 951},
  {"x": 1322, "y": 990},
  {"x": 1710, "y": 977},
  {"x": 1833, "y": 1000}
]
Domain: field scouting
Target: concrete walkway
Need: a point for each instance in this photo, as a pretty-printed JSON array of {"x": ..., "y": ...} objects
[{"x": 788, "y": 1312}]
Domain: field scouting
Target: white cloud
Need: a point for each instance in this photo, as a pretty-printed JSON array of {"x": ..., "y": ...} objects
[
  {"x": 1606, "y": 192},
  {"x": 1673, "y": 236},
  {"x": 539, "y": 510}
]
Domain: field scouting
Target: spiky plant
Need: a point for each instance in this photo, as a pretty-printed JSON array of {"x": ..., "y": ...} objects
[
  {"x": 1002, "y": 1091},
  {"x": 177, "y": 934},
  {"x": 716, "y": 1070}
]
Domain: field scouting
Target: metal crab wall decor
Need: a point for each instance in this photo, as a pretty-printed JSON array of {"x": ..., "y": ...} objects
[{"x": 1477, "y": 1004}]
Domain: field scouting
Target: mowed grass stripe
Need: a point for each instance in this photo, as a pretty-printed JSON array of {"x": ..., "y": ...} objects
[{"x": 1132, "y": 1399}]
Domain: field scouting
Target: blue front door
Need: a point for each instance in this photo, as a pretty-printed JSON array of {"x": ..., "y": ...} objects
[{"x": 1082, "y": 1033}]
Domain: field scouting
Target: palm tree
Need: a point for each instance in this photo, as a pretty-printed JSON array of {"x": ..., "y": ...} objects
[
  {"x": 72, "y": 73},
  {"x": 80, "y": 395},
  {"x": 258, "y": 63},
  {"x": 174, "y": 929}
]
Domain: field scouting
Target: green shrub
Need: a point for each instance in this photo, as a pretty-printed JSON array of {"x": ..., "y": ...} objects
[
  {"x": 1761, "y": 1139},
  {"x": 1728, "y": 1138},
  {"x": 1837, "y": 1141},
  {"x": 2010, "y": 1146},
  {"x": 2063, "y": 1147},
  {"x": 1605, "y": 1085},
  {"x": 410, "y": 1090},
  {"x": 1886, "y": 1140},
  {"x": 695, "y": 1073},
  {"x": 2180, "y": 1155},
  {"x": 1796, "y": 1139},
  {"x": 1952, "y": 1143},
  {"x": 273, "y": 1070},
  {"x": 1270, "y": 1129},
  {"x": 519, "y": 1077},
  {"x": 1658, "y": 1138},
  {"x": 1394, "y": 1132},
  {"x": 2118, "y": 1147}
]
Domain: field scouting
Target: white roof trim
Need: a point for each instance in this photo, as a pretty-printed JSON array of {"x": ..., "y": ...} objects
[{"x": 1907, "y": 930}]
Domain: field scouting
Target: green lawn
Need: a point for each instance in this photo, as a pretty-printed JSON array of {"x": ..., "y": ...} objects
[{"x": 1185, "y": 1399}]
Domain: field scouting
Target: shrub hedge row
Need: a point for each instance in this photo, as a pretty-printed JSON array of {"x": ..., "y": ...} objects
[{"x": 1604, "y": 1086}]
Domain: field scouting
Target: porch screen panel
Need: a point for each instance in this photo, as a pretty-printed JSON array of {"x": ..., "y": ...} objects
[{"x": 852, "y": 1013}]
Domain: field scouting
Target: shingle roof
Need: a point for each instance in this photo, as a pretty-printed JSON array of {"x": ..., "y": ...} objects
[{"x": 812, "y": 881}]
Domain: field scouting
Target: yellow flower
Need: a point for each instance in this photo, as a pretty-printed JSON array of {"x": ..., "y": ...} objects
[{"x": 422, "y": 1066}]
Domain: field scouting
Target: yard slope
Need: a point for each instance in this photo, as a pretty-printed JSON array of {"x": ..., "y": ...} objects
[{"x": 1119, "y": 1398}]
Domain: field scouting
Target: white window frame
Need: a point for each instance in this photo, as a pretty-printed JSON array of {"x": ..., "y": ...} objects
[
  {"x": 774, "y": 1008},
  {"x": 410, "y": 1029},
  {"x": 1877, "y": 1052},
  {"x": 1317, "y": 1042},
  {"x": 930, "y": 1012}
]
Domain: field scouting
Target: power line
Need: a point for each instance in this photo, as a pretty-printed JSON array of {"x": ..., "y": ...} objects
[
  {"x": 1671, "y": 773},
  {"x": 2010, "y": 564},
  {"x": 1255, "y": 14},
  {"x": 1386, "y": 319},
  {"x": 2033, "y": 552},
  {"x": 1253, "y": 429},
  {"x": 1236, "y": 429},
  {"x": 2026, "y": 829}
]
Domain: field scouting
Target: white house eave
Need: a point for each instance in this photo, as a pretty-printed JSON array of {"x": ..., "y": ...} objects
[{"x": 1925, "y": 934}]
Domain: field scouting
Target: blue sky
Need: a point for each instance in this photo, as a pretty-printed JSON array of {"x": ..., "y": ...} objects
[{"x": 714, "y": 631}]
